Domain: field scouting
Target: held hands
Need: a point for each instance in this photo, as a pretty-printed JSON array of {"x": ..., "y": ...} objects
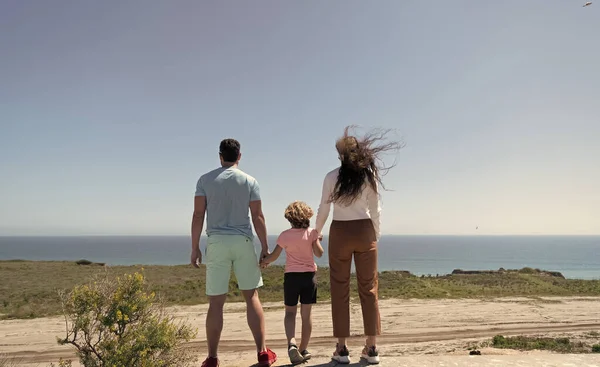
[
  {"x": 196, "y": 258},
  {"x": 264, "y": 263},
  {"x": 264, "y": 253},
  {"x": 264, "y": 258}
]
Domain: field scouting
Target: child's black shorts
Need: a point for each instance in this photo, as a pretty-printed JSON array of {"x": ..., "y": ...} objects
[{"x": 300, "y": 285}]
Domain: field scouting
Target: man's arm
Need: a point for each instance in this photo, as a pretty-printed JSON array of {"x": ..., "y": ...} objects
[
  {"x": 260, "y": 225},
  {"x": 198, "y": 220},
  {"x": 258, "y": 218}
]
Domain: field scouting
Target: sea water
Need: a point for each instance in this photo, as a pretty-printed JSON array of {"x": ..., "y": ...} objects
[{"x": 574, "y": 256}]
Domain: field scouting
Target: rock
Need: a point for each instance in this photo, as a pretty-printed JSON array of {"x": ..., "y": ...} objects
[
  {"x": 475, "y": 353},
  {"x": 556, "y": 274},
  {"x": 531, "y": 271},
  {"x": 472, "y": 272},
  {"x": 401, "y": 273}
]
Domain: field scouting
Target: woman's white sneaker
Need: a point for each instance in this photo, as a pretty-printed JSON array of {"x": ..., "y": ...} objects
[
  {"x": 341, "y": 355},
  {"x": 371, "y": 355}
]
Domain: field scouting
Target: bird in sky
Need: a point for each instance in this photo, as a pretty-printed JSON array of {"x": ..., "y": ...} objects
[{"x": 587, "y": 4}]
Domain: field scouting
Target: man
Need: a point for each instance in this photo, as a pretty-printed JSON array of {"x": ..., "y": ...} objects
[{"x": 225, "y": 195}]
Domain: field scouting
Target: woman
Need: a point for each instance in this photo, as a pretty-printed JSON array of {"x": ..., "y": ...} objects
[{"x": 353, "y": 189}]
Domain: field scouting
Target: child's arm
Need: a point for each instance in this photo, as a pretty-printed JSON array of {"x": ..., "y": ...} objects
[
  {"x": 317, "y": 248},
  {"x": 273, "y": 256}
]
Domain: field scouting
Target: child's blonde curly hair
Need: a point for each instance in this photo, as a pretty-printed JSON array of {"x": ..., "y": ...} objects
[{"x": 298, "y": 214}]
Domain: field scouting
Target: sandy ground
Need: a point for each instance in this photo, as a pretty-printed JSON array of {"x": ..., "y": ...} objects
[{"x": 416, "y": 332}]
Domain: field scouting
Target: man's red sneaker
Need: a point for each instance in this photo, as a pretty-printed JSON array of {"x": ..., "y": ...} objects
[
  {"x": 210, "y": 362},
  {"x": 267, "y": 358}
]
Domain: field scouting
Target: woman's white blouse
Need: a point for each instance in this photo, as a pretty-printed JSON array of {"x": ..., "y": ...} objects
[{"x": 366, "y": 206}]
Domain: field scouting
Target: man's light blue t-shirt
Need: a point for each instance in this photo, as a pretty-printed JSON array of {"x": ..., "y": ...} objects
[{"x": 228, "y": 193}]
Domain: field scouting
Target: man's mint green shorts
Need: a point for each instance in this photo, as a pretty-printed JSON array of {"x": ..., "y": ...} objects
[{"x": 225, "y": 251}]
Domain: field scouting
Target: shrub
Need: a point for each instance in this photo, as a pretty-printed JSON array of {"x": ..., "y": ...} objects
[
  {"x": 119, "y": 323},
  {"x": 498, "y": 341},
  {"x": 596, "y": 348},
  {"x": 62, "y": 363},
  {"x": 559, "y": 345}
]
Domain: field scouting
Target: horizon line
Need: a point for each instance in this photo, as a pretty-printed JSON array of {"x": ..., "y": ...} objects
[{"x": 255, "y": 237}]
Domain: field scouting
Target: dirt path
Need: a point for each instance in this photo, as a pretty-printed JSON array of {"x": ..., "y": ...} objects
[
  {"x": 411, "y": 327},
  {"x": 229, "y": 346}
]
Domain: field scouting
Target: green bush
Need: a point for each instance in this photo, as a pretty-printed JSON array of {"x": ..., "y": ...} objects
[
  {"x": 596, "y": 348},
  {"x": 498, "y": 341},
  {"x": 559, "y": 345},
  {"x": 119, "y": 323}
]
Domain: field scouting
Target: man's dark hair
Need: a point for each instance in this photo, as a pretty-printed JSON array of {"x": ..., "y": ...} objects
[{"x": 229, "y": 150}]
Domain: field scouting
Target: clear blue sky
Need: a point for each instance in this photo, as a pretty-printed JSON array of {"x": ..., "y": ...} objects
[{"x": 111, "y": 110}]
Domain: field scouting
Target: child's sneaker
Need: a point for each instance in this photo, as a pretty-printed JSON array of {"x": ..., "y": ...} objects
[
  {"x": 295, "y": 355},
  {"x": 210, "y": 362},
  {"x": 371, "y": 355},
  {"x": 306, "y": 355},
  {"x": 267, "y": 358},
  {"x": 341, "y": 355}
]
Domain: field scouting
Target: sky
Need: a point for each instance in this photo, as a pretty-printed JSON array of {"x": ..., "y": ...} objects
[{"x": 111, "y": 110}]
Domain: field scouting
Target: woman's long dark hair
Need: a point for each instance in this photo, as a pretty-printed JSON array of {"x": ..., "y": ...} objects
[{"x": 361, "y": 163}]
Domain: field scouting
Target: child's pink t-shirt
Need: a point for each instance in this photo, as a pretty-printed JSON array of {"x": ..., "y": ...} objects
[{"x": 297, "y": 243}]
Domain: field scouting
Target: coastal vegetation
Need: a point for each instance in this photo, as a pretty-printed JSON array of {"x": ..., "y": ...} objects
[
  {"x": 119, "y": 322},
  {"x": 31, "y": 289},
  {"x": 557, "y": 345}
]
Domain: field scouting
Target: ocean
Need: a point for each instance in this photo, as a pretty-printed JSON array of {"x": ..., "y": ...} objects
[{"x": 574, "y": 256}]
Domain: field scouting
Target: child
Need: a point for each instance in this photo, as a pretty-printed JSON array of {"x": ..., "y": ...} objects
[{"x": 300, "y": 243}]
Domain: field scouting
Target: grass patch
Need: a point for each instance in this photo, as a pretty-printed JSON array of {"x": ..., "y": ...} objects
[
  {"x": 523, "y": 343},
  {"x": 593, "y": 335},
  {"x": 29, "y": 289}
]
